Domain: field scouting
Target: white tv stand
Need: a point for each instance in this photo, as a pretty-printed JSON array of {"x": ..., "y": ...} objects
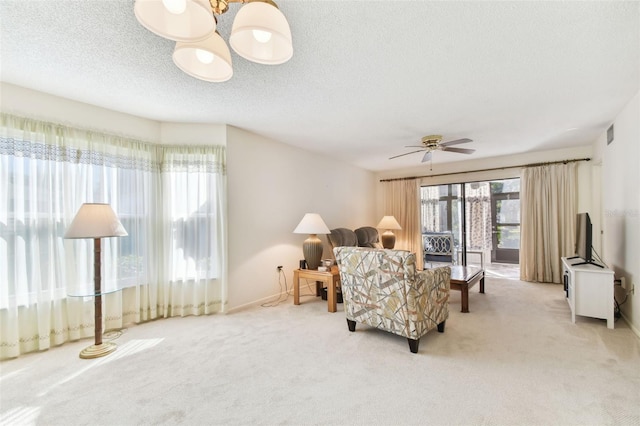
[{"x": 589, "y": 290}]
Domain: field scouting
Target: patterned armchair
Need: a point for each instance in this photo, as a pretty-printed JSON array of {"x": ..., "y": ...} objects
[{"x": 383, "y": 289}]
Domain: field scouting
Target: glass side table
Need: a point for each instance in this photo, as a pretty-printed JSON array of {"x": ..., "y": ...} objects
[{"x": 99, "y": 348}]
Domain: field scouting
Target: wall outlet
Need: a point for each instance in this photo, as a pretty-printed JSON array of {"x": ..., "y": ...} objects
[
  {"x": 632, "y": 289},
  {"x": 623, "y": 283}
]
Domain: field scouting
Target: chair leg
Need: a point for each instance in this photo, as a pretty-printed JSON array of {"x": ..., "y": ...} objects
[
  {"x": 351, "y": 325},
  {"x": 441, "y": 326},
  {"x": 413, "y": 345}
]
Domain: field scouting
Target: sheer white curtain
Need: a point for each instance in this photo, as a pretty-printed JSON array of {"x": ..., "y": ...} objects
[
  {"x": 548, "y": 197},
  {"x": 402, "y": 200},
  {"x": 194, "y": 207},
  {"x": 46, "y": 172}
]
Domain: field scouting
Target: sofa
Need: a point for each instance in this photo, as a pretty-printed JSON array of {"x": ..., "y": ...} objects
[{"x": 383, "y": 289}]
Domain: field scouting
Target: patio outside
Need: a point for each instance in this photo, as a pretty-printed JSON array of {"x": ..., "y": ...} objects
[{"x": 488, "y": 213}]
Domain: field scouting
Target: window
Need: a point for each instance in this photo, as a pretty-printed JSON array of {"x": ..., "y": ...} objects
[
  {"x": 168, "y": 199},
  {"x": 192, "y": 221}
]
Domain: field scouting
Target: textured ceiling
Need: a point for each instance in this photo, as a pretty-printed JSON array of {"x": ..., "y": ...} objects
[{"x": 366, "y": 78}]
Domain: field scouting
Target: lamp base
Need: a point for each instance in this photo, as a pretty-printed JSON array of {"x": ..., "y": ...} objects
[
  {"x": 312, "y": 250},
  {"x": 96, "y": 351},
  {"x": 388, "y": 239}
]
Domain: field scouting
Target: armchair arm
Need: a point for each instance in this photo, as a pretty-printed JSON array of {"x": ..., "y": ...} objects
[{"x": 428, "y": 302}]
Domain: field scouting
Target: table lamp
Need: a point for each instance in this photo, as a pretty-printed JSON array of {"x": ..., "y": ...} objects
[
  {"x": 96, "y": 221},
  {"x": 388, "y": 238},
  {"x": 312, "y": 224}
]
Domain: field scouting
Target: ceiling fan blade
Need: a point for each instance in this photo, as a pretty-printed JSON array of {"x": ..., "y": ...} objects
[
  {"x": 459, "y": 150},
  {"x": 456, "y": 142},
  {"x": 427, "y": 157},
  {"x": 406, "y": 153}
]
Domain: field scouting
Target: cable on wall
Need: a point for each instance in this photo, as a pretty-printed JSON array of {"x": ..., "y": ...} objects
[
  {"x": 286, "y": 292},
  {"x": 279, "y": 299}
]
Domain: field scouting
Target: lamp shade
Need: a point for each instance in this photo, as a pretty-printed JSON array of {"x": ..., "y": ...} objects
[
  {"x": 261, "y": 33},
  {"x": 179, "y": 20},
  {"x": 311, "y": 223},
  {"x": 389, "y": 222},
  {"x": 207, "y": 59},
  {"x": 95, "y": 220}
]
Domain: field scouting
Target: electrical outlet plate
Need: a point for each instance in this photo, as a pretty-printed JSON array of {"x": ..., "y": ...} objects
[{"x": 623, "y": 283}]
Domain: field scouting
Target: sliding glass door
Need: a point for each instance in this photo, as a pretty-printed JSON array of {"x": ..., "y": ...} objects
[
  {"x": 442, "y": 215},
  {"x": 505, "y": 221},
  {"x": 483, "y": 219}
]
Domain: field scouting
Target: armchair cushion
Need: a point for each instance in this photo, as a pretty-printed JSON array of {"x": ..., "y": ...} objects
[{"x": 383, "y": 289}]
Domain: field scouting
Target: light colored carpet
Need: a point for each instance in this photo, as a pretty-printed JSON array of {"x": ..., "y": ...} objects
[{"x": 515, "y": 359}]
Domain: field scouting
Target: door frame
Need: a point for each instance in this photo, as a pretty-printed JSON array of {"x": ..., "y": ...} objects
[{"x": 502, "y": 255}]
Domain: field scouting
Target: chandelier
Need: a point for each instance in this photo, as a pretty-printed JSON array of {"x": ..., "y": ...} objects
[{"x": 260, "y": 33}]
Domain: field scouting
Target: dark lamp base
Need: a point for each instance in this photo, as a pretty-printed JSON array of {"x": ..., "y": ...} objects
[{"x": 388, "y": 240}]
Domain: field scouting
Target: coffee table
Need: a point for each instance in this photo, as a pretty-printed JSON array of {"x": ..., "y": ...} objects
[
  {"x": 330, "y": 278},
  {"x": 463, "y": 278}
]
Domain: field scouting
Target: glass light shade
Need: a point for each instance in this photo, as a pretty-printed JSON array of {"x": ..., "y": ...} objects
[
  {"x": 312, "y": 223},
  {"x": 195, "y": 23},
  {"x": 266, "y": 18},
  {"x": 175, "y": 6},
  {"x": 187, "y": 56},
  {"x": 389, "y": 222},
  {"x": 95, "y": 220}
]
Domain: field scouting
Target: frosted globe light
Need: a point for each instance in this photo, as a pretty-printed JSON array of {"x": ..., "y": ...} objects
[
  {"x": 204, "y": 56},
  {"x": 262, "y": 36},
  {"x": 175, "y": 6}
]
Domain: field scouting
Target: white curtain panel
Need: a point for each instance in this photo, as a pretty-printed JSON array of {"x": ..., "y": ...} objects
[
  {"x": 193, "y": 188},
  {"x": 46, "y": 172},
  {"x": 430, "y": 214},
  {"x": 548, "y": 197}
]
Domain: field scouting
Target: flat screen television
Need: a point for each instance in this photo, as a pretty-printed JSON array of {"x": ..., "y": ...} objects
[{"x": 584, "y": 239}]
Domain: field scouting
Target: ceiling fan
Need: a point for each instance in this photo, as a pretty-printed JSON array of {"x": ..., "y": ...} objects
[{"x": 433, "y": 142}]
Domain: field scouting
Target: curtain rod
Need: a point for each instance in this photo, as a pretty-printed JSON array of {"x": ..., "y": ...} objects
[{"x": 489, "y": 170}]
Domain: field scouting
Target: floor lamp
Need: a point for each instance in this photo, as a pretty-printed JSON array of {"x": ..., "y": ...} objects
[{"x": 96, "y": 221}]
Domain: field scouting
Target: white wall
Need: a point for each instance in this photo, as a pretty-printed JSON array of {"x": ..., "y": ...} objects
[
  {"x": 271, "y": 186},
  {"x": 42, "y": 106},
  {"x": 193, "y": 134},
  {"x": 621, "y": 204},
  {"x": 23, "y": 102}
]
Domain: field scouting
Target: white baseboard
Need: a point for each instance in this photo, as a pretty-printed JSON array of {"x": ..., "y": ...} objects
[
  {"x": 631, "y": 326},
  {"x": 307, "y": 290},
  {"x": 259, "y": 302}
]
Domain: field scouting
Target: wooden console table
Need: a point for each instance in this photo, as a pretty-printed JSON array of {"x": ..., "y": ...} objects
[
  {"x": 330, "y": 278},
  {"x": 463, "y": 278}
]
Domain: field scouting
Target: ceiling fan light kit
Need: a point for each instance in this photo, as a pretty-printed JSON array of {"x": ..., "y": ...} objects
[
  {"x": 260, "y": 33},
  {"x": 434, "y": 143}
]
